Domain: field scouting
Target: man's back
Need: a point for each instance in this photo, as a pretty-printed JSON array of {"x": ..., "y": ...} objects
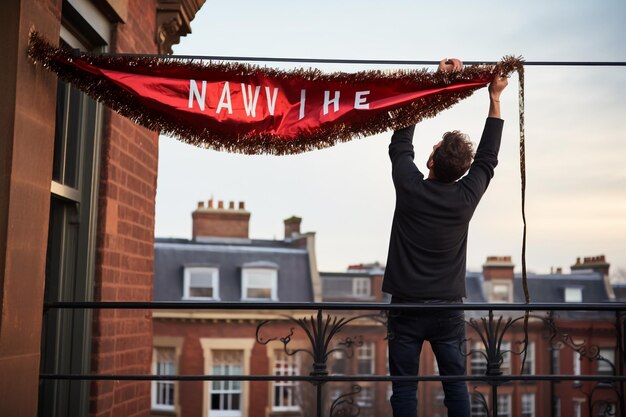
[{"x": 428, "y": 243}]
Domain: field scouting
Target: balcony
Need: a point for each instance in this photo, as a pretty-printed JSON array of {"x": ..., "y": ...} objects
[{"x": 523, "y": 359}]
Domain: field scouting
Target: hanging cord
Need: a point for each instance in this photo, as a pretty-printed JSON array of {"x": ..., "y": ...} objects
[{"x": 522, "y": 165}]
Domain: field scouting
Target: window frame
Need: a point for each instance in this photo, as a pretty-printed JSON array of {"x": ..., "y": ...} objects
[
  {"x": 607, "y": 353},
  {"x": 361, "y": 287},
  {"x": 570, "y": 290},
  {"x": 530, "y": 363},
  {"x": 154, "y": 386},
  {"x": 227, "y": 387},
  {"x": 246, "y": 270},
  {"x": 366, "y": 352},
  {"x": 365, "y": 398},
  {"x": 215, "y": 277},
  {"x": 504, "y": 405},
  {"x": 477, "y": 358},
  {"x": 291, "y": 367},
  {"x": 528, "y": 400}
]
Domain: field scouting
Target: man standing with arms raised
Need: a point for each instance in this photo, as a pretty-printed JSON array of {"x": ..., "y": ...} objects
[{"x": 427, "y": 250}]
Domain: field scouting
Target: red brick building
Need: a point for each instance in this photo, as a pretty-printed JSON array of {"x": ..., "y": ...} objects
[
  {"x": 581, "y": 338},
  {"x": 213, "y": 266},
  {"x": 222, "y": 263},
  {"x": 77, "y": 194}
]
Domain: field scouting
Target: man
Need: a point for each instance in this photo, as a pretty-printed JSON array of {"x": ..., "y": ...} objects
[{"x": 427, "y": 250}]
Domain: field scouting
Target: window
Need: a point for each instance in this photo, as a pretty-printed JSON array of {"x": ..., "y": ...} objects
[
  {"x": 365, "y": 397},
  {"x": 576, "y": 365},
  {"x": 528, "y": 405},
  {"x": 529, "y": 364},
  {"x": 505, "y": 350},
  {"x": 201, "y": 283},
  {"x": 573, "y": 295},
  {"x": 478, "y": 408},
  {"x": 478, "y": 362},
  {"x": 259, "y": 283},
  {"x": 501, "y": 293},
  {"x": 365, "y": 359},
  {"x": 163, "y": 397},
  {"x": 361, "y": 287},
  {"x": 285, "y": 391},
  {"x": 605, "y": 365},
  {"x": 338, "y": 363},
  {"x": 556, "y": 359},
  {"x": 72, "y": 227},
  {"x": 225, "y": 396},
  {"x": 577, "y": 407},
  {"x": 607, "y": 410},
  {"x": 557, "y": 408},
  {"x": 504, "y": 405}
]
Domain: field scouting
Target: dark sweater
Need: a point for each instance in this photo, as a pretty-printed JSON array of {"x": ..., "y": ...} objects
[{"x": 428, "y": 243}]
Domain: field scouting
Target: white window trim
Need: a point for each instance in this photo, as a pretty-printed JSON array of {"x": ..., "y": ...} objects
[
  {"x": 153, "y": 386},
  {"x": 215, "y": 274},
  {"x": 530, "y": 397},
  {"x": 293, "y": 369},
  {"x": 274, "y": 283},
  {"x": 576, "y": 291},
  {"x": 367, "y": 352},
  {"x": 359, "y": 284},
  {"x": 211, "y": 344},
  {"x": 530, "y": 357},
  {"x": 365, "y": 398},
  {"x": 504, "y": 404}
]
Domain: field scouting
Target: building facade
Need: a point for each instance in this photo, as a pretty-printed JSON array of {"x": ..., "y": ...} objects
[
  {"x": 222, "y": 263},
  {"x": 77, "y": 194}
]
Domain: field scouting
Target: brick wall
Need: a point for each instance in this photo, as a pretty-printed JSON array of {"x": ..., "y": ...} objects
[
  {"x": 220, "y": 222},
  {"x": 124, "y": 267}
]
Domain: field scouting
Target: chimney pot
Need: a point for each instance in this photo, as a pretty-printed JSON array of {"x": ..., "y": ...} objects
[
  {"x": 200, "y": 204},
  {"x": 211, "y": 203},
  {"x": 231, "y": 205},
  {"x": 220, "y": 204},
  {"x": 242, "y": 205}
]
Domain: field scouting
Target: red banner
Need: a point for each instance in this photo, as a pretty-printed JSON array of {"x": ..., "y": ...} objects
[{"x": 249, "y": 109}]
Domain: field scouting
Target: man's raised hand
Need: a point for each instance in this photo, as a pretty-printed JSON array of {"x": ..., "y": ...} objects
[{"x": 450, "y": 65}]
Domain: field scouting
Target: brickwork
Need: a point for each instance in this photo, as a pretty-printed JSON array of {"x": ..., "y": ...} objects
[
  {"x": 124, "y": 267},
  {"x": 220, "y": 222}
]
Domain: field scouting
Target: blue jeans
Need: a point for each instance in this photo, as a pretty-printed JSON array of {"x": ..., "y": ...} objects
[{"x": 445, "y": 330}]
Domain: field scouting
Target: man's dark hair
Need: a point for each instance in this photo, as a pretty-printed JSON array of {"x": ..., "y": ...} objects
[{"x": 453, "y": 157}]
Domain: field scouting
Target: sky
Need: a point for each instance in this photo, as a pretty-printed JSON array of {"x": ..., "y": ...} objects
[{"x": 575, "y": 122}]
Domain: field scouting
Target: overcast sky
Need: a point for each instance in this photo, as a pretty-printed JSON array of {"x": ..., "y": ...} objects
[{"x": 575, "y": 127}]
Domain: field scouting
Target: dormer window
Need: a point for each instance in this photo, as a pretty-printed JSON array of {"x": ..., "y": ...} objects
[
  {"x": 501, "y": 292},
  {"x": 201, "y": 283},
  {"x": 259, "y": 281},
  {"x": 573, "y": 295}
]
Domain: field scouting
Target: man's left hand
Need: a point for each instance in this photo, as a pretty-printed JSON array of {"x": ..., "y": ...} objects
[{"x": 450, "y": 65}]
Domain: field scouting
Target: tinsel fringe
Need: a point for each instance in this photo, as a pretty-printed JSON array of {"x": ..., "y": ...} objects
[{"x": 60, "y": 60}]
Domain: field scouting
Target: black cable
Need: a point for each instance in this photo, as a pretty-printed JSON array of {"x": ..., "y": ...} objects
[{"x": 358, "y": 61}]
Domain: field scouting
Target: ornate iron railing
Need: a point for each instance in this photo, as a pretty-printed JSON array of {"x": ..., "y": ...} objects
[{"x": 490, "y": 324}]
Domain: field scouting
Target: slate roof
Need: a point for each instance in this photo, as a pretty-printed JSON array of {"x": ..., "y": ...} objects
[
  {"x": 544, "y": 288},
  {"x": 171, "y": 256}
]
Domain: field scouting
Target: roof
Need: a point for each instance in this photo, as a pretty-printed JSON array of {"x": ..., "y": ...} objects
[
  {"x": 550, "y": 288},
  {"x": 171, "y": 256}
]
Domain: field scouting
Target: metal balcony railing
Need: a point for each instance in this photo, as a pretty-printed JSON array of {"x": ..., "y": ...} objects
[{"x": 324, "y": 326}]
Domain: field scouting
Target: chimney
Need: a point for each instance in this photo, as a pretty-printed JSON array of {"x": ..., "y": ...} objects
[
  {"x": 595, "y": 263},
  {"x": 498, "y": 267},
  {"x": 292, "y": 227},
  {"x": 220, "y": 222}
]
